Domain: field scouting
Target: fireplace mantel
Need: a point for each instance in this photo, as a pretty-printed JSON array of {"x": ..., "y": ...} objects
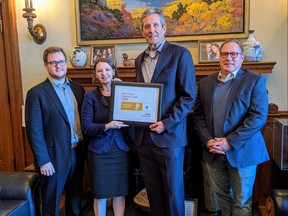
[{"x": 83, "y": 75}]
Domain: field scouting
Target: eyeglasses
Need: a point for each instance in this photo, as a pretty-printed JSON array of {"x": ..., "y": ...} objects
[
  {"x": 232, "y": 54},
  {"x": 54, "y": 63}
]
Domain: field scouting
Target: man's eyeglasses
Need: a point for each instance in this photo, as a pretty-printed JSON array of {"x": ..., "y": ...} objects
[
  {"x": 232, "y": 54},
  {"x": 54, "y": 63}
]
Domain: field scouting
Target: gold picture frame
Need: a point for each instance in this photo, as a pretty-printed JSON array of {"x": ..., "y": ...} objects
[{"x": 117, "y": 23}]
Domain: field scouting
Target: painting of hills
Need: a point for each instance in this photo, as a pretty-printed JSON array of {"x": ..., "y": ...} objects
[{"x": 120, "y": 19}]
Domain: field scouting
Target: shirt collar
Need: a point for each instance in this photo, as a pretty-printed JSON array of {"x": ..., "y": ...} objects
[
  {"x": 157, "y": 51},
  {"x": 58, "y": 83},
  {"x": 228, "y": 77}
]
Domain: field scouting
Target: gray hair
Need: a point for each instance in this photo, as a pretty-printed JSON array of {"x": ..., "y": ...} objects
[
  {"x": 151, "y": 11},
  {"x": 232, "y": 40}
]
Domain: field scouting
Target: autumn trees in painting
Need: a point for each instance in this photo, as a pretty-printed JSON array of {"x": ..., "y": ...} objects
[{"x": 109, "y": 19}]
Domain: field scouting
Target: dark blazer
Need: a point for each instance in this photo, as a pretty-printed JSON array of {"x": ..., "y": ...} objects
[
  {"x": 204, "y": 55},
  {"x": 246, "y": 114},
  {"x": 179, "y": 94},
  {"x": 47, "y": 125},
  {"x": 95, "y": 114}
]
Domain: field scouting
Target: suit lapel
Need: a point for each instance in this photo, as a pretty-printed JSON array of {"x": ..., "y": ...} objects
[
  {"x": 139, "y": 75},
  {"x": 210, "y": 99},
  {"x": 234, "y": 88},
  {"x": 101, "y": 98},
  {"x": 161, "y": 61},
  {"x": 76, "y": 93},
  {"x": 54, "y": 97},
  {"x": 159, "y": 66}
]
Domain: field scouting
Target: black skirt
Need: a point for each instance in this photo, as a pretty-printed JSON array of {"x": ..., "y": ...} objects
[{"x": 109, "y": 173}]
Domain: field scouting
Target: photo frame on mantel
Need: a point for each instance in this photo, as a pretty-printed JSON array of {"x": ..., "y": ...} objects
[
  {"x": 107, "y": 51},
  {"x": 209, "y": 51},
  {"x": 118, "y": 22}
]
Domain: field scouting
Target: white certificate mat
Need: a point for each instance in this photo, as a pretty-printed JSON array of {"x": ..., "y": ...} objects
[{"x": 136, "y": 103}]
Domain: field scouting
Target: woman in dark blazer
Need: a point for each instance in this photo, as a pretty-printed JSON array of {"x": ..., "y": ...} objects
[{"x": 108, "y": 143}]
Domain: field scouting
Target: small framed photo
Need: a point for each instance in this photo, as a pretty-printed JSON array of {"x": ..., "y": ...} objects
[
  {"x": 209, "y": 51},
  {"x": 136, "y": 103},
  {"x": 98, "y": 52}
]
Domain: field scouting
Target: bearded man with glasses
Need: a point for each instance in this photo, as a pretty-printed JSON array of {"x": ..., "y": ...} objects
[
  {"x": 230, "y": 110},
  {"x": 53, "y": 129}
]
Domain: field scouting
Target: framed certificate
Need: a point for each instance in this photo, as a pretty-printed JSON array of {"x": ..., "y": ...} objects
[{"x": 136, "y": 103}]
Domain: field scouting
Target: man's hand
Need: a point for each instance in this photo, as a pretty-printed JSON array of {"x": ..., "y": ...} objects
[
  {"x": 116, "y": 79},
  {"x": 218, "y": 145},
  {"x": 157, "y": 127},
  {"x": 47, "y": 169}
]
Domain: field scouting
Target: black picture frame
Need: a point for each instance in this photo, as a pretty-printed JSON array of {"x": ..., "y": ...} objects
[{"x": 134, "y": 103}]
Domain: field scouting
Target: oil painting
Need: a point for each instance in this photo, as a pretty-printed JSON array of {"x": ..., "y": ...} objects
[{"x": 118, "y": 21}]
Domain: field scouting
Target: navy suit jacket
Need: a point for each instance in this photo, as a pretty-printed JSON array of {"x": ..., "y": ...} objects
[
  {"x": 175, "y": 70},
  {"x": 47, "y": 125},
  {"x": 94, "y": 115},
  {"x": 246, "y": 114}
]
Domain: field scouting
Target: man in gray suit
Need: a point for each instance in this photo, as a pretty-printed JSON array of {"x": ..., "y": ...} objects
[
  {"x": 230, "y": 110},
  {"x": 54, "y": 134}
]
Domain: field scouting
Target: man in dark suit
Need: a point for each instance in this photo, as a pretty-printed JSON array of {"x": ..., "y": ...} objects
[
  {"x": 230, "y": 110},
  {"x": 161, "y": 145},
  {"x": 207, "y": 54},
  {"x": 54, "y": 134}
]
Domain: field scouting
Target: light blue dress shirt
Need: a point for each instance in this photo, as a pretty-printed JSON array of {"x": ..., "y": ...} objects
[{"x": 68, "y": 100}]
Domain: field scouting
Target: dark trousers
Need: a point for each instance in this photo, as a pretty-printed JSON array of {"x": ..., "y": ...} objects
[
  {"x": 163, "y": 177},
  {"x": 53, "y": 186}
]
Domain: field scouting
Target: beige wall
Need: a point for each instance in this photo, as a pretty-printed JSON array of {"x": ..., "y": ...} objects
[{"x": 268, "y": 18}]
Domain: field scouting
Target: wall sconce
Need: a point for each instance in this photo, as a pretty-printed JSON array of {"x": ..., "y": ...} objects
[{"x": 38, "y": 31}]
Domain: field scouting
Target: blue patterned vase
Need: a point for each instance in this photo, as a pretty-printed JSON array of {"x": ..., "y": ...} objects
[
  {"x": 253, "y": 50},
  {"x": 78, "y": 57}
]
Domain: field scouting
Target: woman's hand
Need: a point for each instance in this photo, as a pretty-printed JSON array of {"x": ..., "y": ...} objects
[{"x": 115, "y": 125}]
